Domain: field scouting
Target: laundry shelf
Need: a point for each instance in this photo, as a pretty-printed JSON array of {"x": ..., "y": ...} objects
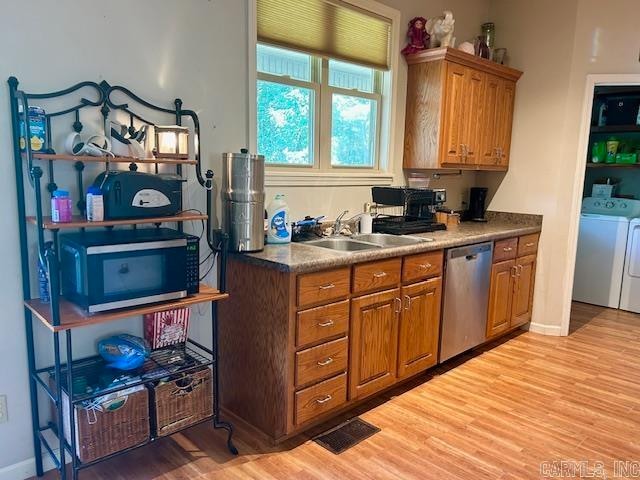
[
  {"x": 81, "y": 222},
  {"x": 89, "y": 158},
  {"x": 613, "y": 165},
  {"x": 615, "y": 129},
  {"x": 73, "y": 316}
]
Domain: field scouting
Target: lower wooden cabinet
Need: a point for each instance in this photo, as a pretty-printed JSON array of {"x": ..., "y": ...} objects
[
  {"x": 525, "y": 276},
  {"x": 512, "y": 286},
  {"x": 419, "y": 327},
  {"x": 307, "y": 346},
  {"x": 500, "y": 297},
  {"x": 374, "y": 342}
]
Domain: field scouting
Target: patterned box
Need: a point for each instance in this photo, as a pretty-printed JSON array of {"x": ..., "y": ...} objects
[{"x": 170, "y": 327}]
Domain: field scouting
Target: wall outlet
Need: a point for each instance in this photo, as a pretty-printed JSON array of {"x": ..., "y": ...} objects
[{"x": 4, "y": 414}]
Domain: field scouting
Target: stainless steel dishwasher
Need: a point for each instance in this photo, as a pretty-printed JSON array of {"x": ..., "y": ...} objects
[{"x": 466, "y": 298}]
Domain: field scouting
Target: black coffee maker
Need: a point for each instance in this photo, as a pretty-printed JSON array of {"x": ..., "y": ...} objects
[{"x": 477, "y": 200}]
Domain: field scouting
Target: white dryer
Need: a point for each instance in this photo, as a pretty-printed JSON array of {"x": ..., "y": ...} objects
[
  {"x": 630, "y": 296},
  {"x": 602, "y": 244}
]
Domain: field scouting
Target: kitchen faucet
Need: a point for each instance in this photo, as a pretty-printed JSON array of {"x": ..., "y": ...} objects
[{"x": 339, "y": 224}]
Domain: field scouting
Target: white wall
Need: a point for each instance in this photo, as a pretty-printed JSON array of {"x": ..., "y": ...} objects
[
  {"x": 556, "y": 44},
  {"x": 537, "y": 167},
  {"x": 329, "y": 201},
  {"x": 192, "y": 49}
]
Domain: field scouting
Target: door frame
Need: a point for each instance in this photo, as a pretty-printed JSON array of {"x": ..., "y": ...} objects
[{"x": 593, "y": 80}]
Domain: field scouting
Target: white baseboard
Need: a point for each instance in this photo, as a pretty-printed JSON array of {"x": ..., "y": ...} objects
[
  {"x": 27, "y": 468},
  {"x": 552, "y": 330}
]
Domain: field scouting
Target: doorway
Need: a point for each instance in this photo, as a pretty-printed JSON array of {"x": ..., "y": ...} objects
[{"x": 605, "y": 198}]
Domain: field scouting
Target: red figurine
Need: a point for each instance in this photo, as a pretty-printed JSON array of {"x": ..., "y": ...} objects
[{"x": 419, "y": 39}]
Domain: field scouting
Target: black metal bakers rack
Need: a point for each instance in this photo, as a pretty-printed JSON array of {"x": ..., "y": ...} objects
[{"x": 59, "y": 315}]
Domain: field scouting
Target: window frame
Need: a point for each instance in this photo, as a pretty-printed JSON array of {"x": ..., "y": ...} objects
[
  {"x": 315, "y": 118},
  {"x": 326, "y": 114},
  {"x": 389, "y": 149}
]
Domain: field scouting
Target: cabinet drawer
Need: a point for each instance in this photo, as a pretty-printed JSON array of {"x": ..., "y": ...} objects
[
  {"x": 322, "y": 361},
  {"x": 320, "y": 398},
  {"x": 528, "y": 244},
  {"x": 323, "y": 287},
  {"x": 320, "y": 323},
  {"x": 423, "y": 265},
  {"x": 370, "y": 277},
  {"x": 505, "y": 250}
]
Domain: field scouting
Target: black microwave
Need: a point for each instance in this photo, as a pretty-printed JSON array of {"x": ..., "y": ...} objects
[{"x": 114, "y": 269}]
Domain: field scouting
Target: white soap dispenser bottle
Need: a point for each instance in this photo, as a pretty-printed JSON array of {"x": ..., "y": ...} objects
[
  {"x": 366, "y": 221},
  {"x": 279, "y": 229}
]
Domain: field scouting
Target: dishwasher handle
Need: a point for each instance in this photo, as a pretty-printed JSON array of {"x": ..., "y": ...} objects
[{"x": 471, "y": 252}]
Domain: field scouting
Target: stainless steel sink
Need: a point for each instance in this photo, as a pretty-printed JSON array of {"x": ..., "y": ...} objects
[
  {"x": 343, "y": 244},
  {"x": 387, "y": 240}
]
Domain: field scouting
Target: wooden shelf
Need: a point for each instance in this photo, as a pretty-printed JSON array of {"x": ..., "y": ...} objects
[
  {"x": 613, "y": 165},
  {"x": 81, "y": 222},
  {"x": 616, "y": 129},
  {"x": 88, "y": 158},
  {"x": 72, "y": 316}
]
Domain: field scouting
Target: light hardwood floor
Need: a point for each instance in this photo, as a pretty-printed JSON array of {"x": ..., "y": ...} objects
[{"x": 498, "y": 415}]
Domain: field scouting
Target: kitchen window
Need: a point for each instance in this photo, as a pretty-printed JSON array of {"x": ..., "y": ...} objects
[
  {"x": 323, "y": 98},
  {"x": 317, "y": 112}
]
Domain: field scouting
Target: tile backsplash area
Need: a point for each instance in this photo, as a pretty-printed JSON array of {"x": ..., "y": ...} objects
[{"x": 629, "y": 180}]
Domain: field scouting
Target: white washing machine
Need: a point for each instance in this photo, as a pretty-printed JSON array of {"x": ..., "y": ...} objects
[
  {"x": 630, "y": 295},
  {"x": 602, "y": 245}
]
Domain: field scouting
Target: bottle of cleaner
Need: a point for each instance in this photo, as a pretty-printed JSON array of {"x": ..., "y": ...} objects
[
  {"x": 279, "y": 230},
  {"x": 366, "y": 221},
  {"x": 95, "y": 205}
]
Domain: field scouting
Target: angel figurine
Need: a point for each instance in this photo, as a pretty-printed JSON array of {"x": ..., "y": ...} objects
[{"x": 419, "y": 39}]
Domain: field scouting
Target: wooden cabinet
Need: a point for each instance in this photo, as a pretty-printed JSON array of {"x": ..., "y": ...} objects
[
  {"x": 419, "y": 327},
  {"x": 374, "y": 342},
  {"x": 523, "y": 290},
  {"x": 298, "y": 348},
  {"x": 500, "y": 297},
  {"x": 459, "y": 111},
  {"x": 512, "y": 284}
]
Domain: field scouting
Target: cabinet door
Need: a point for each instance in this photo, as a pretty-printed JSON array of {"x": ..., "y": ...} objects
[
  {"x": 474, "y": 95},
  {"x": 501, "y": 297},
  {"x": 506, "y": 98},
  {"x": 490, "y": 122},
  {"x": 419, "y": 327},
  {"x": 454, "y": 116},
  {"x": 523, "y": 291},
  {"x": 374, "y": 342}
]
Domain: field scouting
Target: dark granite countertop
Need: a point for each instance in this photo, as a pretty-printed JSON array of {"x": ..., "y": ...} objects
[{"x": 298, "y": 257}]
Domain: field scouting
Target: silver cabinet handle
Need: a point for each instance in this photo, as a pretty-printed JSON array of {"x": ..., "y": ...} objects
[
  {"x": 507, "y": 249},
  {"x": 519, "y": 270},
  {"x": 407, "y": 302},
  {"x": 320, "y": 401},
  {"x": 514, "y": 271},
  {"x": 380, "y": 274},
  {"x": 326, "y": 362},
  {"x": 327, "y": 323},
  {"x": 530, "y": 244},
  {"x": 328, "y": 286},
  {"x": 398, "y": 303},
  {"x": 425, "y": 266}
]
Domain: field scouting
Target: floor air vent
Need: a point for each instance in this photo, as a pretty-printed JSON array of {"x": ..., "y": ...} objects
[{"x": 346, "y": 435}]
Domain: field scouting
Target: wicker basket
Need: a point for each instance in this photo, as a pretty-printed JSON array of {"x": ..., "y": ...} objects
[
  {"x": 182, "y": 402},
  {"x": 110, "y": 426}
]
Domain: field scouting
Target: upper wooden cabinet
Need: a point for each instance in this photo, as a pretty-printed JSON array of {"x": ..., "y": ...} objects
[{"x": 459, "y": 111}]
